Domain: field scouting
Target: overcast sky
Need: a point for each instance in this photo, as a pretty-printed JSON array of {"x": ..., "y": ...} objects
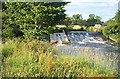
[{"x": 106, "y": 9}]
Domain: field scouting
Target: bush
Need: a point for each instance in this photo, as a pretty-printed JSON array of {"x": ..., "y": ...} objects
[
  {"x": 98, "y": 29},
  {"x": 90, "y": 28},
  {"x": 111, "y": 32},
  {"x": 94, "y": 29},
  {"x": 105, "y": 31}
]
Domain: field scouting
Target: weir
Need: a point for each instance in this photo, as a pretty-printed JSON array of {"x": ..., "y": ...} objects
[
  {"x": 74, "y": 41},
  {"x": 81, "y": 42}
]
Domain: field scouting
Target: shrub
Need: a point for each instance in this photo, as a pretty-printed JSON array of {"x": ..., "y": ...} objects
[
  {"x": 83, "y": 28},
  {"x": 97, "y": 29},
  {"x": 105, "y": 33},
  {"x": 94, "y": 29},
  {"x": 111, "y": 32},
  {"x": 90, "y": 28}
]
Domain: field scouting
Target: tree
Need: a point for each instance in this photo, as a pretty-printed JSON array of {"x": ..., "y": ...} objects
[
  {"x": 77, "y": 19},
  {"x": 67, "y": 21},
  {"x": 111, "y": 22},
  {"x": 118, "y": 21},
  {"x": 92, "y": 20},
  {"x": 91, "y": 16},
  {"x": 112, "y": 30},
  {"x": 117, "y": 18},
  {"x": 31, "y": 19},
  {"x": 98, "y": 19}
]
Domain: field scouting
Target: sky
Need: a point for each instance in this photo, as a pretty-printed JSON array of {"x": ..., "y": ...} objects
[{"x": 106, "y": 9}]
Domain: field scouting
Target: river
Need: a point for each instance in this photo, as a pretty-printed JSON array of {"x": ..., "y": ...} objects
[
  {"x": 83, "y": 39},
  {"x": 94, "y": 42}
]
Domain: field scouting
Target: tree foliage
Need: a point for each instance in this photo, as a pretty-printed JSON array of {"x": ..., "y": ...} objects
[
  {"x": 31, "y": 19},
  {"x": 77, "y": 19},
  {"x": 112, "y": 30},
  {"x": 67, "y": 21},
  {"x": 92, "y": 20}
]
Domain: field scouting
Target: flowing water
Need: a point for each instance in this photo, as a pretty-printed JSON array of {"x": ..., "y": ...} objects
[{"x": 81, "y": 41}]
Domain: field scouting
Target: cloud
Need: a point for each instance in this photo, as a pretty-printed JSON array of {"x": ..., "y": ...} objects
[{"x": 105, "y": 9}]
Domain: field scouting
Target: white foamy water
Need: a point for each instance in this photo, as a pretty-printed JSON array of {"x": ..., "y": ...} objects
[{"x": 81, "y": 42}]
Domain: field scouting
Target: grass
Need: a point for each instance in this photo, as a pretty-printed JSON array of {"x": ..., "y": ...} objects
[
  {"x": 61, "y": 26},
  {"x": 37, "y": 58},
  {"x": 76, "y": 27},
  {"x": 70, "y": 27}
]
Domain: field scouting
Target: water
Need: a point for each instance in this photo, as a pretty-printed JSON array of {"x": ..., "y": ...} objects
[{"x": 81, "y": 41}]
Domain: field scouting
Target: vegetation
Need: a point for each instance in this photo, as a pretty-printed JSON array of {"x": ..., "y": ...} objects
[
  {"x": 31, "y": 19},
  {"x": 77, "y": 19},
  {"x": 34, "y": 21},
  {"x": 92, "y": 20},
  {"x": 94, "y": 29},
  {"x": 112, "y": 30},
  {"x": 38, "y": 20},
  {"x": 36, "y": 58}
]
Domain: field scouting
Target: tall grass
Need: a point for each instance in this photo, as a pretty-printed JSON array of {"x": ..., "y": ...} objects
[{"x": 37, "y": 58}]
